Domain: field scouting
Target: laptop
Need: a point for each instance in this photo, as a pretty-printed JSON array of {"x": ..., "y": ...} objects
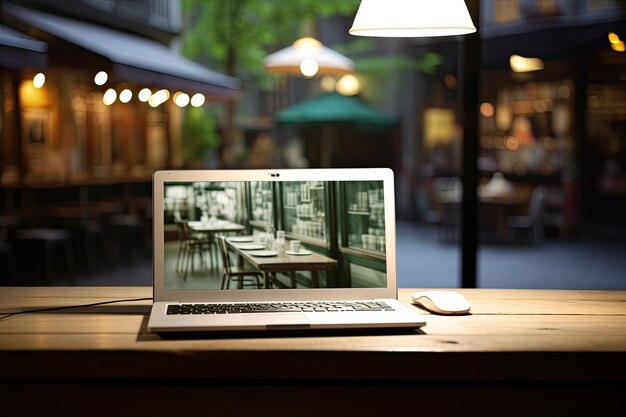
[{"x": 275, "y": 250}]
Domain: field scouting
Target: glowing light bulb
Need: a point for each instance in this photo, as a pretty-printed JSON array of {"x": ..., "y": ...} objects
[
  {"x": 126, "y": 95},
  {"x": 144, "y": 95},
  {"x": 197, "y": 100},
  {"x": 39, "y": 80},
  {"x": 181, "y": 99},
  {"x": 523, "y": 64},
  {"x": 101, "y": 78},
  {"x": 159, "y": 98},
  {"x": 309, "y": 67},
  {"x": 109, "y": 97},
  {"x": 348, "y": 85}
]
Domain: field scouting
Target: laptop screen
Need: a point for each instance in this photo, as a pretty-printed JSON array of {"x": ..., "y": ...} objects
[{"x": 278, "y": 234}]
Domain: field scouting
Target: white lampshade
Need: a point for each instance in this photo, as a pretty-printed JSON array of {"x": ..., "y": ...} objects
[
  {"x": 412, "y": 18},
  {"x": 308, "y": 57}
]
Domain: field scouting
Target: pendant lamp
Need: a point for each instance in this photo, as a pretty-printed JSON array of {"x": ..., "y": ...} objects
[
  {"x": 412, "y": 18},
  {"x": 308, "y": 57}
]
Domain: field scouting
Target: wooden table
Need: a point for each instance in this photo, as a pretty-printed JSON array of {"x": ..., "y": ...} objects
[
  {"x": 494, "y": 207},
  {"x": 520, "y": 353},
  {"x": 286, "y": 263}
]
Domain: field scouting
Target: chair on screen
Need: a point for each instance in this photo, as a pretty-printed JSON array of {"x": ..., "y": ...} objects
[
  {"x": 241, "y": 274},
  {"x": 190, "y": 245}
]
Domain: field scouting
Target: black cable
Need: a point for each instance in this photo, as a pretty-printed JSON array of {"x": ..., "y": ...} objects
[{"x": 38, "y": 310}]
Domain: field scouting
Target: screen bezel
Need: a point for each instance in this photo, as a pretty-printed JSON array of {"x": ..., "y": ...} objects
[{"x": 160, "y": 178}]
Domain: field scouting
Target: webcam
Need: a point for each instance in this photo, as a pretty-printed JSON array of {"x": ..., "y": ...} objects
[{"x": 274, "y": 175}]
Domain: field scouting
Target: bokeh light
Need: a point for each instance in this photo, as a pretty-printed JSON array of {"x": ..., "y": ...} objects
[
  {"x": 309, "y": 67},
  {"x": 197, "y": 100},
  {"x": 39, "y": 80},
  {"x": 109, "y": 97},
  {"x": 101, "y": 78},
  {"x": 126, "y": 95}
]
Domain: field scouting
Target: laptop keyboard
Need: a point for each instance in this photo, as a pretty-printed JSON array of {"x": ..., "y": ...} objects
[{"x": 307, "y": 307}]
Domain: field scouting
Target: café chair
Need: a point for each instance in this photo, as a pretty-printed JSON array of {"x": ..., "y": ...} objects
[
  {"x": 532, "y": 222},
  {"x": 180, "y": 255},
  {"x": 447, "y": 193},
  {"x": 127, "y": 235},
  {"x": 190, "y": 246},
  {"x": 238, "y": 273},
  {"x": 51, "y": 241}
]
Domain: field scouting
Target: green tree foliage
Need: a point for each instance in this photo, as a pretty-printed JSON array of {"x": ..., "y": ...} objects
[
  {"x": 250, "y": 29},
  {"x": 198, "y": 135},
  {"x": 234, "y": 36}
]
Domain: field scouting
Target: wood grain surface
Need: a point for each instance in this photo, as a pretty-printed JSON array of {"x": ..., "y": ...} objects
[{"x": 565, "y": 350}]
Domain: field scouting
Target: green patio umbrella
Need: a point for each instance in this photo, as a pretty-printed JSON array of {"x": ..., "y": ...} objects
[
  {"x": 333, "y": 108},
  {"x": 330, "y": 110}
]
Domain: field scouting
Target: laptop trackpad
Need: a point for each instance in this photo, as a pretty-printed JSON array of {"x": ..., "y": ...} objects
[{"x": 277, "y": 320}]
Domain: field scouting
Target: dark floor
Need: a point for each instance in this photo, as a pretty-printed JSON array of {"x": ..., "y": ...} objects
[
  {"x": 423, "y": 261},
  {"x": 582, "y": 263}
]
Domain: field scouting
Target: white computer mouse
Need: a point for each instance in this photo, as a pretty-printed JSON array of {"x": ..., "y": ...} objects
[{"x": 441, "y": 302}]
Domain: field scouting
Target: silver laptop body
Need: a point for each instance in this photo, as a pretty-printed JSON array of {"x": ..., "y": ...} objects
[{"x": 341, "y": 275}]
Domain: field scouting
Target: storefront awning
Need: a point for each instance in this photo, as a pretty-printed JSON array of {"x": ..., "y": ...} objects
[
  {"x": 133, "y": 58},
  {"x": 18, "y": 51}
]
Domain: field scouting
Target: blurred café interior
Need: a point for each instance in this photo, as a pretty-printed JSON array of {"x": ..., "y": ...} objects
[{"x": 96, "y": 95}]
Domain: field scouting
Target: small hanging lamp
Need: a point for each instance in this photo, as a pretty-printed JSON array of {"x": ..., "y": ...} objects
[{"x": 308, "y": 57}]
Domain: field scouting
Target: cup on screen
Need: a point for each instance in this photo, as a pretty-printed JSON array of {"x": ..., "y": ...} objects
[{"x": 295, "y": 245}]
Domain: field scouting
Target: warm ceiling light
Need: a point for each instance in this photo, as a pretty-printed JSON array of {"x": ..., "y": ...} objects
[
  {"x": 126, "y": 95},
  {"x": 181, "y": 99},
  {"x": 109, "y": 97},
  {"x": 613, "y": 37},
  {"x": 197, "y": 100},
  {"x": 144, "y": 95},
  {"x": 307, "y": 56},
  {"x": 101, "y": 78},
  {"x": 522, "y": 64},
  {"x": 309, "y": 67},
  {"x": 348, "y": 85},
  {"x": 412, "y": 18},
  {"x": 39, "y": 80}
]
